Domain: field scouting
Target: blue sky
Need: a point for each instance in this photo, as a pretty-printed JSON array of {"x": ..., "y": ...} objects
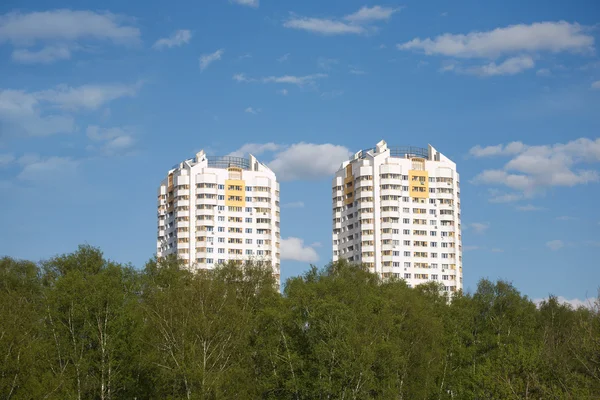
[{"x": 99, "y": 100}]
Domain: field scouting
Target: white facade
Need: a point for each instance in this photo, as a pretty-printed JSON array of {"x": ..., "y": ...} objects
[
  {"x": 215, "y": 209},
  {"x": 397, "y": 210}
]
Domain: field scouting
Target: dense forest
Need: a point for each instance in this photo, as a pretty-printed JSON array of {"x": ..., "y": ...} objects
[{"x": 79, "y": 326}]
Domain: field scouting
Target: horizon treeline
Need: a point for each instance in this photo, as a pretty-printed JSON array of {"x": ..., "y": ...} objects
[{"x": 79, "y": 326}]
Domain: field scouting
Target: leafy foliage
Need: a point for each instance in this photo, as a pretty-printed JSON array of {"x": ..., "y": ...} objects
[{"x": 79, "y": 326}]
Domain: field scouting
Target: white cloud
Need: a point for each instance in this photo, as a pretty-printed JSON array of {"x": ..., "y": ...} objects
[
  {"x": 596, "y": 85},
  {"x": 552, "y": 37},
  {"x": 251, "y": 110},
  {"x": 177, "y": 39},
  {"x": 284, "y": 57},
  {"x": 530, "y": 207},
  {"x": 555, "y": 245},
  {"x": 283, "y": 92},
  {"x": 299, "y": 161},
  {"x": 284, "y": 79},
  {"x": 46, "y": 55},
  {"x": 496, "y": 250},
  {"x": 6, "y": 159},
  {"x": 255, "y": 149},
  {"x": 249, "y": 3},
  {"x": 355, "y": 23},
  {"x": 207, "y": 59},
  {"x": 510, "y": 66},
  {"x": 65, "y": 25},
  {"x": 295, "y": 204},
  {"x": 308, "y": 161},
  {"x": 112, "y": 141},
  {"x": 294, "y": 249},
  {"x": 533, "y": 168},
  {"x": 543, "y": 72},
  {"x": 498, "y": 150},
  {"x": 479, "y": 227},
  {"x": 375, "y": 13},
  {"x": 47, "y": 170}
]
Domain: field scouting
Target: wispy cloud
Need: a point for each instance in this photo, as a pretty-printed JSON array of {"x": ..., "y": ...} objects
[
  {"x": 530, "y": 207},
  {"x": 511, "y": 66},
  {"x": 326, "y": 63},
  {"x": 355, "y": 23},
  {"x": 283, "y": 92},
  {"x": 46, "y": 170},
  {"x": 551, "y": 37},
  {"x": 207, "y": 59},
  {"x": 566, "y": 218},
  {"x": 251, "y": 110},
  {"x": 356, "y": 71},
  {"x": 295, "y": 204},
  {"x": 59, "y": 33},
  {"x": 46, "y": 55},
  {"x": 479, "y": 227},
  {"x": 248, "y": 3},
  {"x": 555, "y": 245},
  {"x": 110, "y": 141},
  {"x": 177, "y": 39},
  {"x": 284, "y": 57},
  {"x": 283, "y": 79},
  {"x": 51, "y": 111},
  {"x": 545, "y": 72},
  {"x": 596, "y": 85},
  {"x": 519, "y": 43}
]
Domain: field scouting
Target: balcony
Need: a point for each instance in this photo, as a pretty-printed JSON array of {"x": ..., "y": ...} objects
[
  {"x": 206, "y": 201},
  {"x": 390, "y": 203}
]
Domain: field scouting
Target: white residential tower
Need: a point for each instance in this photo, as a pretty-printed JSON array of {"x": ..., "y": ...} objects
[
  {"x": 397, "y": 210},
  {"x": 215, "y": 209}
]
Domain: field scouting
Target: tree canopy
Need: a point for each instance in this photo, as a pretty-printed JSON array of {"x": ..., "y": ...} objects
[{"x": 79, "y": 326}]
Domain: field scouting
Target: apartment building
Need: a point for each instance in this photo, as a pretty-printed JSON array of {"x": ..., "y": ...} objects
[
  {"x": 397, "y": 210},
  {"x": 215, "y": 209}
]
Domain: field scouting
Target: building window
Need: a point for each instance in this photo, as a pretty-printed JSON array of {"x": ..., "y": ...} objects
[
  {"x": 221, "y": 187},
  {"x": 221, "y": 251},
  {"x": 248, "y": 241},
  {"x": 249, "y": 220},
  {"x": 209, "y": 261},
  {"x": 248, "y": 252},
  {"x": 407, "y": 254},
  {"x": 221, "y": 218},
  {"x": 248, "y": 230},
  {"x": 221, "y": 197},
  {"x": 221, "y": 240},
  {"x": 249, "y": 199},
  {"x": 221, "y": 229},
  {"x": 209, "y": 250}
]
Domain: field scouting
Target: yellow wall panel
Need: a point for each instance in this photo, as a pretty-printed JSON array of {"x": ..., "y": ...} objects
[
  {"x": 418, "y": 182},
  {"x": 235, "y": 193}
]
